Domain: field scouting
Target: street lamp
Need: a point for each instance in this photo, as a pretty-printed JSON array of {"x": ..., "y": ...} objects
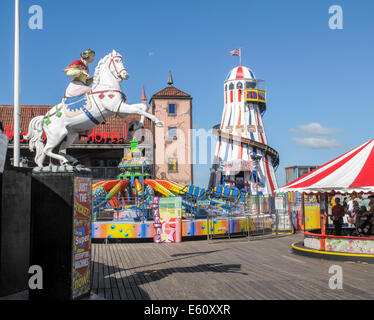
[
  {"x": 16, "y": 110},
  {"x": 256, "y": 158}
]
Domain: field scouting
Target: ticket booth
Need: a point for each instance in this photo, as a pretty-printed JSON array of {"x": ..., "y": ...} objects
[{"x": 61, "y": 234}]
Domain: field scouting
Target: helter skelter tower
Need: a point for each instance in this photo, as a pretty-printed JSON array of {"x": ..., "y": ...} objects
[{"x": 242, "y": 156}]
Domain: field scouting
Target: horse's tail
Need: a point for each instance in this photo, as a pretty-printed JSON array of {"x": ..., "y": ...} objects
[{"x": 35, "y": 134}]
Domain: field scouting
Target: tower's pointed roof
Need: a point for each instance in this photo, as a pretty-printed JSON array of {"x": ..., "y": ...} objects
[
  {"x": 170, "y": 91},
  {"x": 143, "y": 98},
  {"x": 170, "y": 80}
]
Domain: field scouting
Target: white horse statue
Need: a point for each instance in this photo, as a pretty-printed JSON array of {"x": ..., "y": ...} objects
[{"x": 63, "y": 123}]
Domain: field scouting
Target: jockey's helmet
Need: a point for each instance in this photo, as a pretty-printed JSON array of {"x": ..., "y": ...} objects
[{"x": 87, "y": 53}]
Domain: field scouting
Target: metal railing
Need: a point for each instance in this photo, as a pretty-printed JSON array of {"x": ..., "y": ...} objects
[{"x": 101, "y": 173}]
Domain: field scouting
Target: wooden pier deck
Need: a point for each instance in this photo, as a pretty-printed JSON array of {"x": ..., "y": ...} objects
[{"x": 221, "y": 269}]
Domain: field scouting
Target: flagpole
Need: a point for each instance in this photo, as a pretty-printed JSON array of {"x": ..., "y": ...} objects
[
  {"x": 240, "y": 55},
  {"x": 16, "y": 111}
]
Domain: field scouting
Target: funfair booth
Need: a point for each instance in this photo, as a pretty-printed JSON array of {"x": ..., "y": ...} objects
[{"x": 350, "y": 173}]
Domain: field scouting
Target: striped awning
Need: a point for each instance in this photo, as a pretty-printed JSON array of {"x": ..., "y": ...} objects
[{"x": 351, "y": 172}]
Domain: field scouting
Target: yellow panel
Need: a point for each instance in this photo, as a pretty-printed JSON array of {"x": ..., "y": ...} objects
[{"x": 312, "y": 218}]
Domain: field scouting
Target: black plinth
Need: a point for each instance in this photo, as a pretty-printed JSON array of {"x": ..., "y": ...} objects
[
  {"x": 14, "y": 230},
  {"x": 61, "y": 234}
]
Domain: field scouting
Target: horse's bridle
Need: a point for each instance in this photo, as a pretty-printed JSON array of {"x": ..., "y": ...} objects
[{"x": 115, "y": 68}]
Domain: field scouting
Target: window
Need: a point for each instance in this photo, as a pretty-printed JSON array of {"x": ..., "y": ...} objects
[
  {"x": 231, "y": 86},
  {"x": 250, "y": 84},
  {"x": 172, "y": 108},
  {"x": 226, "y": 87},
  {"x": 172, "y": 132},
  {"x": 239, "y": 85},
  {"x": 172, "y": 164}
]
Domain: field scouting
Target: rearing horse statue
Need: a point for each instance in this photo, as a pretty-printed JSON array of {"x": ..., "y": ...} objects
[{"x": 63, "y": 123}]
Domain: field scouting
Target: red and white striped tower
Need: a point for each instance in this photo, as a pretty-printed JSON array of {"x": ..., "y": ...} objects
[{"x": 241, "y": 135}]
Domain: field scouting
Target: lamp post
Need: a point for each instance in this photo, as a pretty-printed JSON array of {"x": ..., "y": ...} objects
[
  {"x": 256, "y": 158},
  {"x": 16, "y": 111}
]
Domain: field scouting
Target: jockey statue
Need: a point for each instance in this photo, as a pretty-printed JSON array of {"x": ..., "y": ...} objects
[{"x": 78, "y": 70}]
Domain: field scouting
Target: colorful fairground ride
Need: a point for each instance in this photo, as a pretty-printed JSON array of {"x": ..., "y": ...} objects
[{"x": 122, "y": 208}]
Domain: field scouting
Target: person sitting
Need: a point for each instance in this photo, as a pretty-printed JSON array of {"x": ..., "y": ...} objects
[
  {"x": 362, "y": 222},
  {"x": 78, "y": 70},
  {"x": 355, "y": 208},
  {"x": 345, "y": 205},
  {"x": 338, "y": 212}
]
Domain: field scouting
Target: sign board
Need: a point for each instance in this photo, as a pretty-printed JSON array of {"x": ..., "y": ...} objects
[
  {"x": 157, "y": 222},
  {"x": 279, "y": 203},
  {"x": 3, "y": 150},
  {"x": 238, "y": 165},
  {"x": 81, "y": 273},
  {"x": 203, "y": 202},
  {"x": 251, "y": 128},
  {"x": 170, "y": 210}
]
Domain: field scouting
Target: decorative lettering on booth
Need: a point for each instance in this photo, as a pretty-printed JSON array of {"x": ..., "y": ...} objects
[{"x": 82, "y": 237}]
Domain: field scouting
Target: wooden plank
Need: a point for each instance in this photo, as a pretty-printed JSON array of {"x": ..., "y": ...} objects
[
  {"x": 161, "y": 266},
  {"x": 94, "y": 269},
  {"x": 181, "y": 268},
  {"x": 134, "y": 283},
  {"x": 144, "y": 258},
  {"x": 119, "y": 276},
  {"x": 113, "y": 274},
  {"x": 125, "y": 276},
  {"x": 101, "y": 268},
  {"x": 143, "y": 277}
]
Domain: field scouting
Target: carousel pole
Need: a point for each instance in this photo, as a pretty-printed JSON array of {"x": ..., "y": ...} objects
[
  {"x": 16, "y": 111},
  {"x": 303, "y": 208}
]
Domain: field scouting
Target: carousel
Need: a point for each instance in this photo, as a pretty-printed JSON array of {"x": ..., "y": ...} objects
[{"x": 351, "y": 175}]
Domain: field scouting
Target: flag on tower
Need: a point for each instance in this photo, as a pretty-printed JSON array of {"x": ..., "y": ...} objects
[{"x": 235, "y": 52}]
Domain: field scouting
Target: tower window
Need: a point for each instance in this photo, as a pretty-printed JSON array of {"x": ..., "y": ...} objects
[
  {"x": 231, "y": 86},
  {"x": 172, "y": 164},
  {"x": 250, "y": 84},
  {"x": 226, "y": 87},
  {"x": 172, "y": 108},
  {"x": 239, "y": 85},
  {"x": 172, "y": 132}
]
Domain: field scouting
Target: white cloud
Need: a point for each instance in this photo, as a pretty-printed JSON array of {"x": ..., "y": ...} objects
[
  {"x": 315, "y": 136},
  {"x": 314, "y": 129},
  {"x": 317, "y": 142}
]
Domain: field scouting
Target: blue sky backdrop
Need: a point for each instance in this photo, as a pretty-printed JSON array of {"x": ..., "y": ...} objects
[{"x": 319, "y": 80}]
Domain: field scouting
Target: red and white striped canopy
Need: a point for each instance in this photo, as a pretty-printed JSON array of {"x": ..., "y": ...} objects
[{"x": 351, "y": 172}]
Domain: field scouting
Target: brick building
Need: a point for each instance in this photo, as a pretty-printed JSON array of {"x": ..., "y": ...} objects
[{"x": 173, "y": 152}]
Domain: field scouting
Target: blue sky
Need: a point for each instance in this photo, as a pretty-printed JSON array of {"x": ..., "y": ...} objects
[{"x": 313, "y": 74}]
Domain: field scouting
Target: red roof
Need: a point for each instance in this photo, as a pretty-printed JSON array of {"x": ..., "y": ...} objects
[
  {"x": 171, "y": 91},
  {"x": 350, "y": 172},
  {"x": 113, "y": 124}
]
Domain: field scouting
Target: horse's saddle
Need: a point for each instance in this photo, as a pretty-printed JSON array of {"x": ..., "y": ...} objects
[{"x": 76, "y": 105}]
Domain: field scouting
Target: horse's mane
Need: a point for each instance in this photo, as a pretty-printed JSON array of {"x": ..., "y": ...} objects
[{"x": 96, "y": 77}]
